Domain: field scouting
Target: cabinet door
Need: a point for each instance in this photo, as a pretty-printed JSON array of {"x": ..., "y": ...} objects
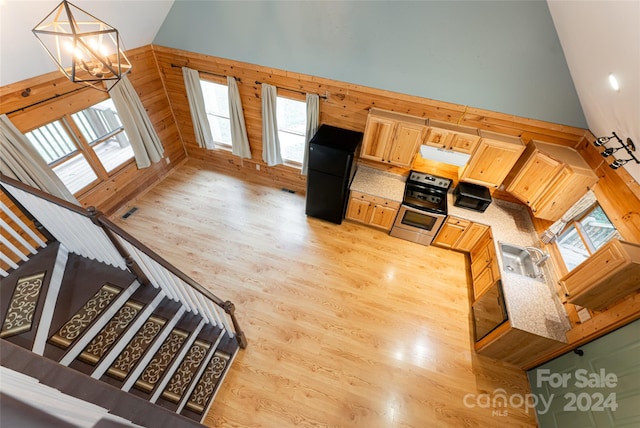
[
  {"x": 471, "y": 236},
  {"x": 491, "y": 162},
  {"x": 451, "y": 232},
  {"x": 358, "y": 210},
  {"x": 564, "y": 191},
  {"x": 383, "y": 216},
  {"x": 483, "y": 281},
  {"x": 407, "y": 139},
  {"x": 437, "y": 137},
  {"x": 479, "y": 261},
  {"x": 534, "y": 177},
  {"x": 464, "y": 143},
  {"x": 378, "y": 135},
  {"x": 594, "y": 270}
]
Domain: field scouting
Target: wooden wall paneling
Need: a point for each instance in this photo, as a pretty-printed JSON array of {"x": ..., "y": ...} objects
[
  {"x": 109, "y": 195},
  {"x": 346, "y": 105}
]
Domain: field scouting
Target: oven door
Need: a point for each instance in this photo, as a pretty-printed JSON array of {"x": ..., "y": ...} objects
[{"x": 417, "y": 225}]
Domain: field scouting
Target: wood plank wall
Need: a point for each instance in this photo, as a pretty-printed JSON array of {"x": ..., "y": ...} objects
[
  {"x": 69, "y": 97},
  {"x": 346, "y": 105}
]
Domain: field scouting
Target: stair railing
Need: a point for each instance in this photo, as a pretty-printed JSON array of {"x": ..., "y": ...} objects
[{"x": 91, "y": 234}]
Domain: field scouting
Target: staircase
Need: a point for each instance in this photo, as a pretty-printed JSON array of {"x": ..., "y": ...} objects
[{"x": 78, "y": 293}]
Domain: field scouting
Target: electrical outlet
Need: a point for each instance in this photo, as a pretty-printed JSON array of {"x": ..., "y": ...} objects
[
  {"x": 167, "y": 160},
  {"x": 257, "y": 167}
]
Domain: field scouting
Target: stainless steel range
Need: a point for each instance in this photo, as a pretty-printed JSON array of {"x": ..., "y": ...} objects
[{"x": 424, "y": 208}]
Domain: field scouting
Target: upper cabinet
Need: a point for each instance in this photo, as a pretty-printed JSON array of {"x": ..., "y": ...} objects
[
  {"x": 444, "y": 135},
  {"x": 609, "y": 275},
  {"x": 392, "y": 137},
  {"x": 550, "y": 179},
  {"x": 492, "y": 159}
]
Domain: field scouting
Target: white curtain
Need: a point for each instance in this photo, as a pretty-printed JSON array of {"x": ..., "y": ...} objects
[
  {"x": 313, "y": 115},
  {"x": 197, "y": 107},
  {"x": 270, "y": 141},
  {"x": 580, "y": 207},
  {"x": 239, "y": 141},
  {"x": 21, "y": 161},
  {"x": 145, "y": 143}
]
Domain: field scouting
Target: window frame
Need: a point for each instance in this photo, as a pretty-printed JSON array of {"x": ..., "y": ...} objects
[
  {"x": 227, "y": 147},
  {"x": 576, "y": 223},
  {"x": 299, "y": 97},
  {"x": 83, "y": 146}
]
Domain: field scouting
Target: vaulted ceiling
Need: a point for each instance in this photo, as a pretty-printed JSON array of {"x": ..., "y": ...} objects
[{"x": 598, "y": 38}]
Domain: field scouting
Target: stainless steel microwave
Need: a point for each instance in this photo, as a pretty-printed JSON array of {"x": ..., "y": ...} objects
[{"x": 471, "y": 197}]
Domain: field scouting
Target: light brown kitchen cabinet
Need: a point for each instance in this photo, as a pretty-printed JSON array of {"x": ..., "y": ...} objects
[
  {"x": 516, "y": 346},
  {"x": 550, "y": 179},
  {"x": 485, "y": 270},
  {"x": 459, "y": 234},
  {"x": 493, "y": 159},
  {"x": 450, "y": 232},
  {"x": 372, "y": 210},
  {"x": 447, "y": 136},
  {"x": 392, "y": 138},
  {"x": 471, "y": 236},
  {"x": 610, "y": 274}
]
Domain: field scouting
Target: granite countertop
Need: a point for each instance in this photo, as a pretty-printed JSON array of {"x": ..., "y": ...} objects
[
  {"x": 532, "y": 304},
  {"x": 379, "y": 183}
]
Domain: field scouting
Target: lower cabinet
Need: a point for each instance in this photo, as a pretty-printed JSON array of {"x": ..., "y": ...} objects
[
  {"x": 459, "y": 234},
  {"x": 515, "y": 346},
  {"x": 485, "y": 270},
  {"x": 372, "y": 210}
]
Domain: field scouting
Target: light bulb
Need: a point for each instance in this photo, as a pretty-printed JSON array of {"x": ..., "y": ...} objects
[{"x": 614, "y": 82}]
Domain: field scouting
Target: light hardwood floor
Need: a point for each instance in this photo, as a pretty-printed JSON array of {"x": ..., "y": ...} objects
[{"x": 347, "y": 326}]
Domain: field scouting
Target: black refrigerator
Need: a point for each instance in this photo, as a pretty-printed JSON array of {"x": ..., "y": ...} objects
[{"x": 330, "y": 170}]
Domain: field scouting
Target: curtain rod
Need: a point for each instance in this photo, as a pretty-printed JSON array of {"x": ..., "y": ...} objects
[
  {"x": 45, "y": 100},
  {"x": 205, "y": 72},
  {"x": 324, "y": 97}
]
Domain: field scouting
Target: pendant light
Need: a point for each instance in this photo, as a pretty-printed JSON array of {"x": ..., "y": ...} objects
[{"x": 85, "y": 49}]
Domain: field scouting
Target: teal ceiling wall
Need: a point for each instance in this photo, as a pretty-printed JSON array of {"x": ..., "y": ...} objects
[{"x": 503, "y": 56}]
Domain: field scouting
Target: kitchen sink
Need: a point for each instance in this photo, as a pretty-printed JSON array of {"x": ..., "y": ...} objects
[{"x": 518, "y": 260}]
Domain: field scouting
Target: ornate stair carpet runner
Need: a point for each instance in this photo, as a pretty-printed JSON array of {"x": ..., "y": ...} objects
[
  {"x": 74, "y": 328},
  {"x": 161, "y": 360},
  {"x": 110, "y": 332},
  {"x": 187, "y": 370},
  {"x": 23, "y": 305},
  {"x": 208, "y": 382},
  {"x": 129, "y": 357}
]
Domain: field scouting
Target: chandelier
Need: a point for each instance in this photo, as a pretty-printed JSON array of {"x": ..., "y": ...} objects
[{"x": 85, "y": 49}]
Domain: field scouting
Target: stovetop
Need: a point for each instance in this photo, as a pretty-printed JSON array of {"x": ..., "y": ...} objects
[{"x": 427, "y": 192}]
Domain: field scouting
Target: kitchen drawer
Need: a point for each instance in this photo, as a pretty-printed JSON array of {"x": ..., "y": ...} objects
[{"x": 376, "y": 200}]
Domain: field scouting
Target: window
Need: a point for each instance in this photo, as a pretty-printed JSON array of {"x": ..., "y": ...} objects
[
  {"x": 100, "y": 149},
  {"x": 216, "y": 103},
  {"x": 585, "y": 236},
  {"x": 292, "y": 125}
]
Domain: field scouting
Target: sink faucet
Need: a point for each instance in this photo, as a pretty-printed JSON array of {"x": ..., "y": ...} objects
[{"x": 542, "y": 255}]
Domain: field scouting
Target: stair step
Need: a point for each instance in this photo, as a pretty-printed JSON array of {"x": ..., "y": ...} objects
[
  {"x": 23, "y": 305},
  {"x": 206, "y": 386},
  {"x": 186, "y": 371},
  {"x": 83, "y": 279},
  {"x": 22, "y": 296},
  {"x": 161, "y": 360},
  {"x": 130, "y": 356},
  {"x": 76, "y": 326},
  {"x": 111, "y": 332}
]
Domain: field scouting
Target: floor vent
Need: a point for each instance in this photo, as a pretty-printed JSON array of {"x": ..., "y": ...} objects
[
  {"x": 284, "y": 189},
  {"x": 130, "y": 212}
]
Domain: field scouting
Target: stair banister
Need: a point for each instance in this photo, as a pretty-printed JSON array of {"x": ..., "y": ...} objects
[{"x": 109, "y": 229}]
